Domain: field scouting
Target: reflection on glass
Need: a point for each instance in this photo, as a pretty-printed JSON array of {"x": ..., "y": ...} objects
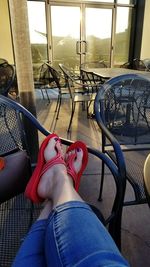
[
  {"x": 38, "y": 38},
  {"x": 98, "y": 33},
  {"x": 65, "y": 33},
  {"x": 122, "y": 36}
]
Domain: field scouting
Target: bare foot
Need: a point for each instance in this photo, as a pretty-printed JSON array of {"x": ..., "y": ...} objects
[
  {"x": 46, "y": 182},
  {"x": 78, "y": 159},
  {"x": 55, "y": 183}
]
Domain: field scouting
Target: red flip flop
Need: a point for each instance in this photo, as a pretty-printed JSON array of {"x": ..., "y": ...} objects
[
  {"x": 70, "y": 160},
  {"x": 41, "y": 168}
]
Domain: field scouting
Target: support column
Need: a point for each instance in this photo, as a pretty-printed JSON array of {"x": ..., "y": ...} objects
[{"x": 23, "y": 62}]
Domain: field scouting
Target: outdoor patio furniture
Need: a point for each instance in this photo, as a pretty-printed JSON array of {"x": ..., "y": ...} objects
[
  {"x": 87, "y": 96},
  {"x": 139, "y": 64},
  {"x": 16, "y": 212},
  {"x": 3, "y": 61},
  {"x": 147, "y": 63},
  {"x": 7, "y": 78},
  {"x": 44, "y": 81},
  {"x": 60, "y": 84},
  {"x": 91, "y": 79},
  {"x": 122, "y": 112}
]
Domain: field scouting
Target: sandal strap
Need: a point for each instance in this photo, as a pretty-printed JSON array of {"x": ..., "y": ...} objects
[
  {"x": 70, "y": 168},
  {"x": 58, "y": 159}
]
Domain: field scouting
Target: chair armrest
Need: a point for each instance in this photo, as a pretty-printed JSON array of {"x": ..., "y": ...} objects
[{"x": 107, "y": 134}]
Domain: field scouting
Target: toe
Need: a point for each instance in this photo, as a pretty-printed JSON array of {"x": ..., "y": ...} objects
[
  {"x": 50, "y": 150},
  {"x": 79, "y": 153},
  {"x": 58, "y": 146}
]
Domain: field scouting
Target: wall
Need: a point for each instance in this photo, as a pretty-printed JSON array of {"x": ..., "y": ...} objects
[
  {"x": 145, "y": 49},
  {"x": 6, "y": 50}
]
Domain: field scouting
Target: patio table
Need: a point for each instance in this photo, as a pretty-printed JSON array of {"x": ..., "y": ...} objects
[{"x": 108, "y": 73}]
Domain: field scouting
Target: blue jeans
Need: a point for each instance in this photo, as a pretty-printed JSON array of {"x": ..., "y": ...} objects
[{"x": 71, "y": 236}]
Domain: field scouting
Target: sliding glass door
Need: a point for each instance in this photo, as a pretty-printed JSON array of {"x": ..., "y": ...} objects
[
  {"x": 98, "y": 25},
  {"x": 75, "y": 32},
  {"x": 78, "y": 34},
  {"x": 65, "y": 29}
]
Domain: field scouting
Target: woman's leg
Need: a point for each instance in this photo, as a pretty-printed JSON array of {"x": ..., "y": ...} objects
[{"x": 74, "y": 236}]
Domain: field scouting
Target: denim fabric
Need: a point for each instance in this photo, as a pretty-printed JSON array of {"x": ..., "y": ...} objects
[{"x": 71, "y": 236}]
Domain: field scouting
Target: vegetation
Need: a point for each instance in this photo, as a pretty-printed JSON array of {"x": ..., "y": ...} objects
[{"x": 64, "y": 51}]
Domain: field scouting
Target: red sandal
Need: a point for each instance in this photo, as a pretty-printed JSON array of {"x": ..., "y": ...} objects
[
  {"x": 41, "y": 168},
  {"x": 70, "y": 160}
]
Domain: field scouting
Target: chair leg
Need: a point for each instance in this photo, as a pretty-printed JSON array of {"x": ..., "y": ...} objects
[
  {"x": 72, "y": 113},
  {"x": 102, "y": 181},
  {"x": 88, "y": 106},
  {"x": 47, "y": 95},
  {"x": 115, "y": 229},
  {"x": 59, "y": 104},
  {"x": 42, "y": 93}
]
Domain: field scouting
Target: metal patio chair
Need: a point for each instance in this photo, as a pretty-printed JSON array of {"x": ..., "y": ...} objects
[
  {"x": 7, "y": 78},
  {"x": 60, "y": 84},
  {"x": 3, "y": 61},
  {"x": 45, "y": 81},
  {"x": 86, "y": 96},
  {"x": 122, "y": 112},
  {"x": 90, "y": 77},
  {"x": 139, "y": 64},
  {"x": 16, "y": 212},
  {"x": 147, "y": 63}
]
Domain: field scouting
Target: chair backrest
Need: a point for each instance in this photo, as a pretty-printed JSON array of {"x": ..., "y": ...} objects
[
  {"x": 147, "y": 178},
  {"x": 72, "y": 73},
  {"x": 91, "y": 78},
  {"x": 124, "y": 105},
  {"x": 55, "y": 75},
  {"x": 45, "y": 76},
  {"x": 147, "y": 63},
  {"x": 138, "y": 64},
  {"x": 12, "y": 132},
  {"x": 3, "y": 61},
  {"x": 69, "y": 79},
  {"x": 7, "y": 77}
]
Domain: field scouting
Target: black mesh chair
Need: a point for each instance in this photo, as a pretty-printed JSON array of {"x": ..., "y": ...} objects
[
  {"x": 45, "y": 81},
  {"x": 3, "y": 61},
  {"x": 146, "y": 62},
  {"x": 89, "y": 77},
  {"x": 139, "y": 64},
  {"x": 17, "y": 213},
  {"x": 122, "y": 111},
  {"x": 86, "y": 95},
  {"x": 7, "y": 78},
  {"x": 60, "y": 84}
]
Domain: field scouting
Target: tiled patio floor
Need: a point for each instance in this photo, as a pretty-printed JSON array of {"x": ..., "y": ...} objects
[{"x": 136, "y": 219}]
